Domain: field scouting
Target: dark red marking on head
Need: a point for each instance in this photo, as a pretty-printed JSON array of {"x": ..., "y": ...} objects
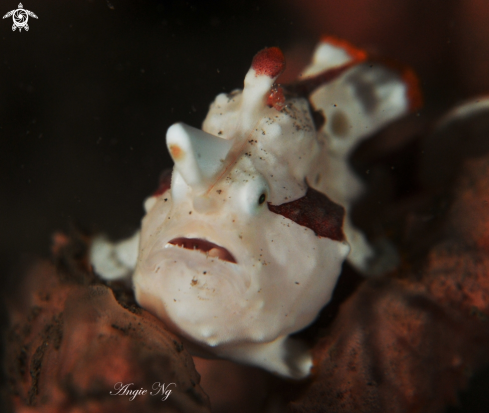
[
  {"x": 304, "y": 88},
  {"x": 276, "y": 99},
  {"x": 357, "y": 55},
  {"x": 165, "y": 182},
  {"x": 315, "y": 211},
  {"x": 269, "y": 62}
]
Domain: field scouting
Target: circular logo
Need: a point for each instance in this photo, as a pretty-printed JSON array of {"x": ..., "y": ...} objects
[{"x": 20, "y": 17}]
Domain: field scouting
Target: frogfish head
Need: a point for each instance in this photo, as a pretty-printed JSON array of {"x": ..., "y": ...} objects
[{"x": 237, "y": 249}]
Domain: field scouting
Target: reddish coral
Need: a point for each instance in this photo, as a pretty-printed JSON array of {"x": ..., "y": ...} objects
[
  {"x": 269, "y": 62},
  {"x": 410, "y": 342},
  {"x": 71, "y": 344}
]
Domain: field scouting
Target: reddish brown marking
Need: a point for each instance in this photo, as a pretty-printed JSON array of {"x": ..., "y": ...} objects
[
  {"x": 276, "y": 99},
  {"x": 357, "y": 55},
  {"x": 165, "y": 182},
  {"x": 315, "y": 211},
  {"x": 269, "y": 62},
  {"x": 176, "y": 152},
  {"x": 305, "y": 87},
  {"x": 414, "y": 95}
]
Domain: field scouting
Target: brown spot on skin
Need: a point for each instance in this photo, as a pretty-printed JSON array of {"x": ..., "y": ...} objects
[
  {"x": 340, "y": 124},
  {"x": 176, "y": 152}
]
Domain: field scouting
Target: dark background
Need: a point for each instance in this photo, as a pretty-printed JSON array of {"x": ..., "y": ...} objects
[{"x": 86, "y": 95}]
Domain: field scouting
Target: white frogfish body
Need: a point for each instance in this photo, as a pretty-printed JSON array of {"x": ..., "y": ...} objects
[{"x": 245, "y": 244}]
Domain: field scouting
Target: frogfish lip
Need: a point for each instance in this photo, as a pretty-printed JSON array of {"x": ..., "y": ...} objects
[{"x": 206, "y": 247}]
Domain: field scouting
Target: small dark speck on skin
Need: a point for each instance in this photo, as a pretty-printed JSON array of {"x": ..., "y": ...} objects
[
  {"x": 205, "y": 272},
  {"x": 178, "y": 346},
  {"x": 190, "y": 212},
  {"x": 166, "y": 199},
  {"x": 220, "y": 132},
  {"x": 297, "y": 283},
  {"x": 219, "y": 191}
]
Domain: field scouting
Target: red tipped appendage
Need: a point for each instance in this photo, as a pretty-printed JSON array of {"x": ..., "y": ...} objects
[{"x": 269, "y": 62}]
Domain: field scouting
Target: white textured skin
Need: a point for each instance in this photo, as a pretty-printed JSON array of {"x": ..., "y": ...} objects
[
  {"x": 356, "y": 105},
  {"x": 283, "y": 144},
  {"x": 284, "y": 273},
  {"x": 271, "y": 292},
  {"x": 242, "y": 311}
]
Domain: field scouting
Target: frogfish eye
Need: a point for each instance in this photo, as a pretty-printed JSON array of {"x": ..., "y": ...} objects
[{"x": 262, "y": 199}]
